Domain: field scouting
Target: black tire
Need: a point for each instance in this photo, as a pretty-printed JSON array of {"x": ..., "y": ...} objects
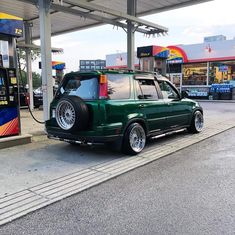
[
  {"x": 197, "y": 122},
  {"x": 127, "y": 146},
  {"x": 78, "y": 114}
]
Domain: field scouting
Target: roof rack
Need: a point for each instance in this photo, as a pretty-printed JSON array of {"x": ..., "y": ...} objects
[{"x": 130, "y": 70}]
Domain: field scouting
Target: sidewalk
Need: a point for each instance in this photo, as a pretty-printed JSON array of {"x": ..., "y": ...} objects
[{"x": 29, "y": 125}]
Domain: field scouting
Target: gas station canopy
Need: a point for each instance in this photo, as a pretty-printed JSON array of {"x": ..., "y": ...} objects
[
  {"x": 46, "y": 18},
  {"x": 73, "y": 15}
]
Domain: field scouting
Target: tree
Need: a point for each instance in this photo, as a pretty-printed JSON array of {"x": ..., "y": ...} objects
[
  {"x": 35, "y": 54},
  {"x": 37, "y": 80}
]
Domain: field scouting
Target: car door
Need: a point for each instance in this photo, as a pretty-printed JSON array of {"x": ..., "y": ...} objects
[
  {"x": 150, "y": 105},
  {"x": 178, "y": 112}
]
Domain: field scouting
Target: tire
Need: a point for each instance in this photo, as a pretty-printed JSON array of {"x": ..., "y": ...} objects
[
  {"x": 197, "y": 122},
  {"x": 134, "y": 139},
  {"x": 72, "y": 114}
]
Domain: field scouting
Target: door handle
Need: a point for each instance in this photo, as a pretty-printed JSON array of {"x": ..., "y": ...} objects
[{"x": 141, "y": 105}]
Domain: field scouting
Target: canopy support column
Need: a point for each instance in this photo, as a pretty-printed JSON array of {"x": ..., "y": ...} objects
[
  {"x": 131, "y": 10},
  {"x": 45, "y": 38},
  {"x": 27, "y": 28}
]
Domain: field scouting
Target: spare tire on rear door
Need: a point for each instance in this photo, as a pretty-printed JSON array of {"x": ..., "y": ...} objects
[{"x": 72, "y": 113}]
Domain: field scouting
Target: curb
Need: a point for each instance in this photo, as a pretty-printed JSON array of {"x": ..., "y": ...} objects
[
  {"x": 12, "y": 141},
  {"x": 216, "y": 101}
]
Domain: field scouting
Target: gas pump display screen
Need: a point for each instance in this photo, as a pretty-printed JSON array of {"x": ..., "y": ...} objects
[
  {"x": 1, "y": 82},
  {"x": 4, "y": 52},
  {"x": 3, "y": 87}
]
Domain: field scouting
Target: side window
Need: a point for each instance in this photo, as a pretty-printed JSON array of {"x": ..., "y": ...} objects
[
  {"x": 168, "y": 91},
  {"x": 146, "y": 89},
  {"x": 118, "y": 86}
]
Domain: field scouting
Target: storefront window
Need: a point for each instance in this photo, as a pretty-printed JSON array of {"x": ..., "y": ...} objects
[
  {"x": 194, "y": 74},
  {"x": 173, "y": 68},
  {"x": 221, "y": 72}
]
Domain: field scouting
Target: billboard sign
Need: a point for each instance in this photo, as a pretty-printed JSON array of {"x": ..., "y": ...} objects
[{"x": 11, "y": 25}]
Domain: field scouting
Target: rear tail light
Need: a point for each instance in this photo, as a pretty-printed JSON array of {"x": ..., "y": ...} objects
[
  {"x": 27, "y": 100},
  {"x": 103, "y": 92}
]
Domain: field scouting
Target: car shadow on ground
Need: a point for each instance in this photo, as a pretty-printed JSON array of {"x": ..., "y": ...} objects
[{"x": 83, "y": 154}]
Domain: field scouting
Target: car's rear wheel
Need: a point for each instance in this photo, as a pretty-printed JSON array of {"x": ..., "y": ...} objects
[
  {"x": 134, "y": 139},
  {"x": 72, "y": 114},
  {"x": 197, "y": 122}
]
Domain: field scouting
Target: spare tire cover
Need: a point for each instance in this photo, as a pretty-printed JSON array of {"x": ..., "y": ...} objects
[{"x": 72, "y": 113}]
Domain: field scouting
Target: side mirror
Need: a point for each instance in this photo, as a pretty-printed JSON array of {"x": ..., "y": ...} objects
[
  {"x": 184, "y": 94},
  {"x": 140, "y": 97}
]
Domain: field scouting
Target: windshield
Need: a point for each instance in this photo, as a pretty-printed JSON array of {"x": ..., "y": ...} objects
[{"x": 86, "y": 89}]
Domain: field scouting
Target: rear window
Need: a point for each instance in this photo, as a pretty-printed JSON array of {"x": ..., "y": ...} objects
[
  {"x": 118, "y": 86},
  {"x": 87, "y": 89}
]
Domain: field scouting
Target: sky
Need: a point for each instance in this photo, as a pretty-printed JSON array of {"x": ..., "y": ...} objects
[{"x": 186, "y": 25}]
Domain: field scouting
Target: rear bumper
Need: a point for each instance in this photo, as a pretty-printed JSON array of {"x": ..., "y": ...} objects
[{"x": 56, "y": 133}]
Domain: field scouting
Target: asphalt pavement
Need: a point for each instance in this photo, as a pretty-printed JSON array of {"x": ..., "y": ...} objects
[{"x": 188, "y": 192}]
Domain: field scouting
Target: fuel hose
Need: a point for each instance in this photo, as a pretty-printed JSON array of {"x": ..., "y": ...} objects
[{"x": 21, "y": 78}]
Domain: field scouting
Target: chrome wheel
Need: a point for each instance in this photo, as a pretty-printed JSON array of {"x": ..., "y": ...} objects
[
  {"x": 198, "y": 121},
  {"x": 137, "y": 138},
  {"x": 65, "y": 115}
]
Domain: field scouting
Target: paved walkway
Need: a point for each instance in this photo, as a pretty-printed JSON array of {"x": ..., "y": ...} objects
[
  {"x": 28, "y": 125},
  {"x": 49, "y": 171}
]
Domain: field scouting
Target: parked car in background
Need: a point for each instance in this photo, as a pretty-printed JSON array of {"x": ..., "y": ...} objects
[
  {"x": 23, "y": 96},
  {"x": 38, "y": 97},
  {"x": 121, "y": 108}
]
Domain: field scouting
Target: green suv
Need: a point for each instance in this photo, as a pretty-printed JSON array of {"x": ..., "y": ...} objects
[{"x": 120, "y": 108}]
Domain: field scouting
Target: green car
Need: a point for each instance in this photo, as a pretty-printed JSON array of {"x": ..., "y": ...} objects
[{"x": 120, "y": 108}]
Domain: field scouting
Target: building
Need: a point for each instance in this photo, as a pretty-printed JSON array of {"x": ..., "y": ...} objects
[
  {"x": 203, "y": 65},
  {"x": 196, "y": 67},
  {"x": 88, "y": 65},
  {"x": 119, "y": 60}
]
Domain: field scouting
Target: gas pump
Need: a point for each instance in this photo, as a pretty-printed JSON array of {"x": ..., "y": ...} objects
[
  {"x": 153, "y": 58},
  {"x": 10, "y": 28}
]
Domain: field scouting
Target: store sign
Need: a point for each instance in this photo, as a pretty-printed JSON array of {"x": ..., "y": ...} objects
[
  {"x": 11, "y": 25},
  {"x": 55, "y": 65},
  {"x": 162, "y": 52},
  {"x": 58, "y": 65},
  {"x": 153, "y": 51},
  {"x": 173, "y": 54},
  {"x": 175, "y": 61},
  {"x": 176, "y": 55},
  {"x": 144, "y": 51}
]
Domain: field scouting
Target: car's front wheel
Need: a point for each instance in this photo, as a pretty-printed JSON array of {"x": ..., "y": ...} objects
[
  {"x": 197, "y": 122},
  {"x": 134, "y": 139}
]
